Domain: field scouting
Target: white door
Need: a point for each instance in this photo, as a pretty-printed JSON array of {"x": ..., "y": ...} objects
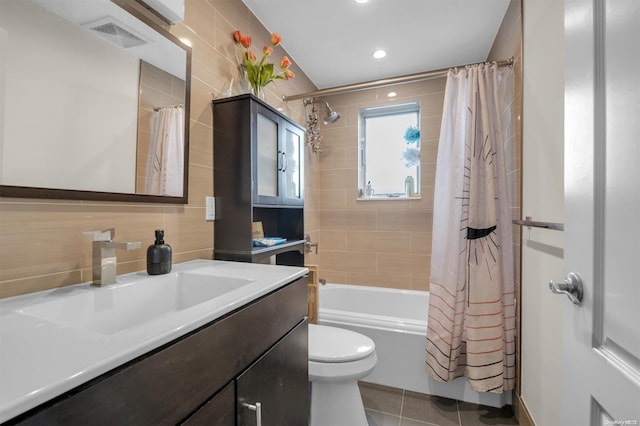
[{"x": 601, "y": 353}]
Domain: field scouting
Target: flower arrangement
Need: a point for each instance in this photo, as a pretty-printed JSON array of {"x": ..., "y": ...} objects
[
  {"x": 411, "y": 154},
  {"x": 261, "y": 72}
]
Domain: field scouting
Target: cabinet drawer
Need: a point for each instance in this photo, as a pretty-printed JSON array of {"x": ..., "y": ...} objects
[{"x": 167, "y": 385}]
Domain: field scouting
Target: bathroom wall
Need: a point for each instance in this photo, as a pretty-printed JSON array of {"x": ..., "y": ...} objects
[
  {"x": 508, "y": 43},
  {"x": 384, "y": 243},
  {"x": 42, "y": 244},
  {"x": 543, "y": 199}
]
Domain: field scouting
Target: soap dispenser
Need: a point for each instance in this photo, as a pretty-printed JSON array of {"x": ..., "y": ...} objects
[{"x": 159, "y": 256}]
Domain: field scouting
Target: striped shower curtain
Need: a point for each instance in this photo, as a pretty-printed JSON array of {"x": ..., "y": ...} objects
[{"x": 471, "y": 329}]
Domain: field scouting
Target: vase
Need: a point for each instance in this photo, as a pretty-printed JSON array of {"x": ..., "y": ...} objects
[
  {"x": 243, "y": 80},
  {"x": 258, "y": 91}
]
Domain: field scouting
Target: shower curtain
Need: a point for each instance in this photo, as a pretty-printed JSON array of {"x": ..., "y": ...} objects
[
  {"x": 165, "y": 170},
  {"x": 471, "y": 326}
]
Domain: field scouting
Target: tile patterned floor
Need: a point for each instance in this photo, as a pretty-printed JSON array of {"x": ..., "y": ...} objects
[{"x": 396, "y": 407}]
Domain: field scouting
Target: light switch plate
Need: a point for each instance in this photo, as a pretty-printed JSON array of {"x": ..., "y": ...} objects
[{"x": 210, "y": 208}]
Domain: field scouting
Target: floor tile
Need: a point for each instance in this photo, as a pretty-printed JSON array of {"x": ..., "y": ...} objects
[
  {"x": 381, "y": 398},
  {"x": 431, "y": 409},
  {"x": 376, "y": 418},
  {"x": 410, "y": 422},
  {"x": 480, "y": 415}
]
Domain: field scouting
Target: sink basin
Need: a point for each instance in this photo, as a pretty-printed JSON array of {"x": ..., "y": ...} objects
[{"x": 112, "y": 309}]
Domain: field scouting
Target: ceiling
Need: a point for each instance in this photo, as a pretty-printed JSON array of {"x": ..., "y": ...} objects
[{"x": 332, "y": 40}]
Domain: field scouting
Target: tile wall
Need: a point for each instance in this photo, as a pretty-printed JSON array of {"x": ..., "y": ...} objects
[
  {"x": 385, "y": 243},
  {"x": 42, "y": 244}
]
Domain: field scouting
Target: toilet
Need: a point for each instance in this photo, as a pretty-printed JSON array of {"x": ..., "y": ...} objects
[{"x": 338, "y": 358}]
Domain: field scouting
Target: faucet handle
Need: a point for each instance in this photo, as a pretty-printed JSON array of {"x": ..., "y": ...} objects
[
  {"x": 104, "y": 235},
  {"x": 109, "y": 231}
]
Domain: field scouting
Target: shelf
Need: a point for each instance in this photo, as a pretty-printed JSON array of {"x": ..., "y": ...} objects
[
  {"x": 258, "y": 254},
  {"x": 241, "y": 122},
  {"x": 288, "y": 246}
]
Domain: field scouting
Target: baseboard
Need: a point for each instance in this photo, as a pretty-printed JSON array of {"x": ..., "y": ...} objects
[{"x": 521, "y": 411}]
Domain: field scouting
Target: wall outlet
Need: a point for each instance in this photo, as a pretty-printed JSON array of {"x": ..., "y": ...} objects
[{"x": 210, "y": 208}]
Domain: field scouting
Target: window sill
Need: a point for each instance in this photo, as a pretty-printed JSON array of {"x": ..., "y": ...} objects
[{"x": 387, "y": 198}]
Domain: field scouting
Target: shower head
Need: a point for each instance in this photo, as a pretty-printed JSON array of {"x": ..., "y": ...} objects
[{"x": 331, "y": 115}]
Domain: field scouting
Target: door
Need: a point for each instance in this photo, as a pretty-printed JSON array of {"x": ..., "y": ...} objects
[
  {"x": 601, "y": 353},
  {"x": 293, "y": 167},
  {"x": 274, "y": 391},
  {"x": 268, "y": 156}
]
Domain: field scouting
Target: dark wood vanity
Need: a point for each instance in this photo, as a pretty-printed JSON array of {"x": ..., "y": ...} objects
[{"x": 255, "y": 354}]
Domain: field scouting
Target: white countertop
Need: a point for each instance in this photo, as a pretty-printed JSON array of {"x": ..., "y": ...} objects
[{"x": 40, "y": 360}]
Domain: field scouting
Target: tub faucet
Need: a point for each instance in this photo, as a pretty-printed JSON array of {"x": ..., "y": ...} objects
[
  {"x": 308, "y": 244},
  {"x": 104, "y": 256}
]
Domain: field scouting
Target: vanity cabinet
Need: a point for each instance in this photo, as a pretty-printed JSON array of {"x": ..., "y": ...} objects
[
  {"x": 257, "y": 353},
  {"x": 258, "y": 177}
]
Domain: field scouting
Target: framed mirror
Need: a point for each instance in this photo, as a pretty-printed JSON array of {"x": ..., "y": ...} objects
[{"x": 94, "y": 103}]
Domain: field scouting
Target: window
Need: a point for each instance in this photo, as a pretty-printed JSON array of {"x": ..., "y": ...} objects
[{"x": 389, "y": 151}]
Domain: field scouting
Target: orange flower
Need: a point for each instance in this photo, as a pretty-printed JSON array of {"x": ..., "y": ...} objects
[
  {"x": 285, "y": 62},
  {"x": 242, "y": 39},
  {"x": 275, "y": 39},
  {"x": 260, "y": 72},
  {"x": 245, "y": 41}
]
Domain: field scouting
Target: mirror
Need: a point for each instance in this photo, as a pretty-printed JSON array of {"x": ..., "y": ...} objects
[{"x": 95, "y": 103}]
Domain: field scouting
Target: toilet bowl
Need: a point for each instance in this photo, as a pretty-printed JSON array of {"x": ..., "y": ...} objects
[{"x": 338, "y": 358}]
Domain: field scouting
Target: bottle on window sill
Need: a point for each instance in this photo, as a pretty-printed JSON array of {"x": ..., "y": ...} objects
[
  {"x": 409, "y": 186},
  {"x": 369, "y": 191}
]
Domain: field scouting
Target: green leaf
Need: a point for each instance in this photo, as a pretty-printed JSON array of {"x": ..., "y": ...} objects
[{"x": 266, "y": 74}]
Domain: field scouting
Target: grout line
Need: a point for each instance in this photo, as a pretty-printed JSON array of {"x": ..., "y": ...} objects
[
  {"x": 458, "y": 411},
  {"x": 401, "y": 406}
]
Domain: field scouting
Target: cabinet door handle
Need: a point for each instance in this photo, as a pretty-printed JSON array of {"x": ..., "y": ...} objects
[
  {"x": 279, "y": 160},
  {"x": 258, "y": 409},
  {"x": 284, "y": 161}
]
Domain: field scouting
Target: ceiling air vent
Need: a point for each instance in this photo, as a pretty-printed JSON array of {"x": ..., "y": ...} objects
[{"x": 116, "y": 32}]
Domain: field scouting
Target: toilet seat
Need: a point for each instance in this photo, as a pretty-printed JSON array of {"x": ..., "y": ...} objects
[{"x": 336, "y": 345}]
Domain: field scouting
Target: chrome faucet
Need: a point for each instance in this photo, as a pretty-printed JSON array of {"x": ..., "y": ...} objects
[{"x": 104, "y": 256}]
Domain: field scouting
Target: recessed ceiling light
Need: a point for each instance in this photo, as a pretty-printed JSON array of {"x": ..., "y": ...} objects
[
  {"x": 392, "y": 94},
  {"x": 379, "y": 54},
  {"x": 362, "y": 1}
]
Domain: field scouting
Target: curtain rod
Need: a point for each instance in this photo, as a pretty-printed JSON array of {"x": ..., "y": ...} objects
[
  {"x": 156, "y": 109},
  {"x": 386, "y": 82}
]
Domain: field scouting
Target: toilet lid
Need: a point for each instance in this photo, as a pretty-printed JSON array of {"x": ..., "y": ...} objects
[{"x": 333, "y": 344}]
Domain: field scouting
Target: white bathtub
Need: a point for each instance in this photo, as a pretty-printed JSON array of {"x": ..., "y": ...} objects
[{"x": 396, "y": 320}]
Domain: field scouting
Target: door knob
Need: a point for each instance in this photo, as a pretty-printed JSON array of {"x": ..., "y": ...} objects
[{"x": 572, "y": 287}]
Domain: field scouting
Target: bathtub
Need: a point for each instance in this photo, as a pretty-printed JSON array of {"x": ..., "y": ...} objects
[{"x": 396, "y": 320}]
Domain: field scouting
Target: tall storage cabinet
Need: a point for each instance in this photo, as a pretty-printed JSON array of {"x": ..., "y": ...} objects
[{"x": 258, "y": 177}]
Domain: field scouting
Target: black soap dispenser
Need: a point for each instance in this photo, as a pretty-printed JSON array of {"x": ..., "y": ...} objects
[{"x": 159, "y": 256}]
